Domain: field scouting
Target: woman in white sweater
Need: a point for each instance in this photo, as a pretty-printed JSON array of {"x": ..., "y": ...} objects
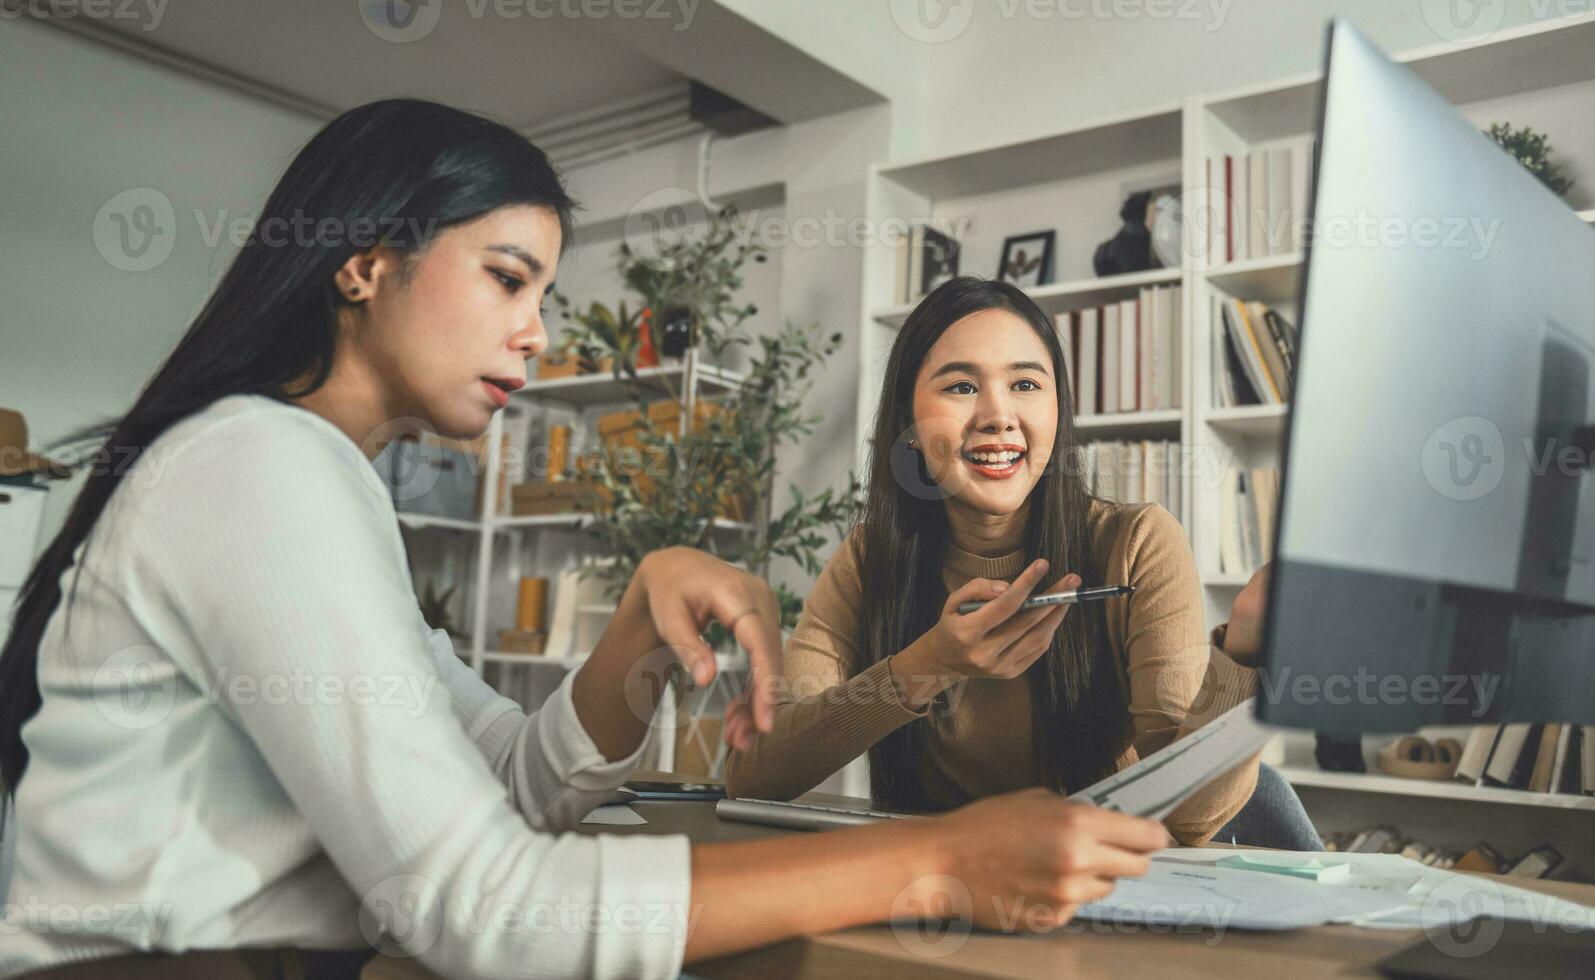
[{"x": 227, "y": 734}]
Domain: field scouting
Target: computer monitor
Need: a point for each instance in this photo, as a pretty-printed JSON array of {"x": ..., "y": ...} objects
[{"x": 1436, "y": 540}]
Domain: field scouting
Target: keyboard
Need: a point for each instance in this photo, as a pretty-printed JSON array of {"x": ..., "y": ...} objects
[{"x": 800, "y": 816}]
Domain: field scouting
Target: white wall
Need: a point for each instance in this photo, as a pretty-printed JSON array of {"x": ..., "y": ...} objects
[
  {"x": 992, "y": 71},
  {"x": 82, "y": 124}
]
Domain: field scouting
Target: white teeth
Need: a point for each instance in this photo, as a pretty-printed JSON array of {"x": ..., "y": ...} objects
[{"x": 999, "y": 458}]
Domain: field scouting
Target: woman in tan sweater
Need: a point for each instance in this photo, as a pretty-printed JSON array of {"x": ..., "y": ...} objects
[{"x": 975, "y": 491}]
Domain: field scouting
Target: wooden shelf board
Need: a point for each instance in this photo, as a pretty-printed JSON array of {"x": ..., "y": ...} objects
[
  {"x": 425, "y": 521},
  {"x": 1434, "y": 788},
  {"x": 1249, "y": 421},
  {"x": 604, "y": 389},
  {"x": 1057, "y": 297},
  {"x": 1105, "y": 145},
  {"x": 1275, "y": 280},
  {"x": 1226, "y": 580},
  {"x": 575, "y": 520},
  {"x": 1507, "y": 62},
  {"x": 1114, "y": 424}
]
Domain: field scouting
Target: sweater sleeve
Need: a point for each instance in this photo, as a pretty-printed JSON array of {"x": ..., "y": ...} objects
[
  {"x": 1178, "y": 681},
  {"x": 272, "y": 547},
  {"x": 824, "y": 718},
  {"x": 554, "y": 773}
]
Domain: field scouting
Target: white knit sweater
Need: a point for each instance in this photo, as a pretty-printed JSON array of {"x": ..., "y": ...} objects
[{"x": 243, "y": 737}]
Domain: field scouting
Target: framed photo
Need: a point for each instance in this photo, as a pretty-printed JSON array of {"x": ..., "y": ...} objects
[
  {"x": 940, "y": 260},
  {"x": 1027, "y": 259}
]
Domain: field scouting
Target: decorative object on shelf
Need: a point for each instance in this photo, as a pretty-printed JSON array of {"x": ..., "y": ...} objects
[
  {"x": 1167, "y": 221},
  {"x": 558, "y": 453},
  {"x": 435, "y": 607},
  {"x": 1131, "y": 249},
  {"x": 1533, "y": 151},
  {"x": 531, "y": 606},
  {"x": 542, "y": 498},
  {"x": 429, "y": 475},
  {"x": 1027, "y": 259},
  {"x": 1339, "y": 752},
  {"x": 926, "y": 258},
  {"x": 15, "y": 459},
  {"x": 691, "y": 282},
  {"x": 1415, "y": 757}
]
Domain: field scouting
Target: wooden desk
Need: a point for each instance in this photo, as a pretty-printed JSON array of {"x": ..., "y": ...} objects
[{"x": 1078, "y": 949}]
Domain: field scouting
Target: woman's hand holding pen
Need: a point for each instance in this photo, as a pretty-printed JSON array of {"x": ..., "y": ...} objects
[{"x": 998, "y": 640}]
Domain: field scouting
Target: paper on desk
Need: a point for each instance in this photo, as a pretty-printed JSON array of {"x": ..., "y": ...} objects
[
  {"x": 620, "y": 816},
  {"x": 1154, "y": 786},
  {"x": 1430, "y": 897},
  {"x": 1181, "y": 893}
]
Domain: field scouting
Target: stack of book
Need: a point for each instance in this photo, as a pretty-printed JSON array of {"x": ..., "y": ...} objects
[
  {"x": 1125, "y": 356},
  {"x": 1134, "y": 472},
  {"x": 1550, "y": 758},
  {"x": 1261, "y": 203},
  {"x": 1254, "y": 354},
  {"x": 1544, "y": 861},
  {"x": 1248, "y": 505}
]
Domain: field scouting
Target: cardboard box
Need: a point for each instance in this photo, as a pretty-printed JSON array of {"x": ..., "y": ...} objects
[
  {"x": 559, "y": 497},
  {"x": 621, "y": 434}
]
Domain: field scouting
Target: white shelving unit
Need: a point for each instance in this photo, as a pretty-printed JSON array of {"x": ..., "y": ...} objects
[
  {"x": 1072, "y": 181},
  {"x": 501, "y": 541}
]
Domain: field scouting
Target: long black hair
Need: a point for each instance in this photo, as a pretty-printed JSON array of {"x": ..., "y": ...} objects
[
  {"x": 1079, "y": 707},
  {"x": 391, "y": 173}
]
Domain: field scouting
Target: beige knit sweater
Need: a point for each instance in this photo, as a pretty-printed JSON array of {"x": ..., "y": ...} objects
[{"x": 1176, "y": 680}]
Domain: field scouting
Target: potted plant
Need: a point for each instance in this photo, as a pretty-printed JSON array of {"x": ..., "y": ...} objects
[{"x": 1533, "y": 151}]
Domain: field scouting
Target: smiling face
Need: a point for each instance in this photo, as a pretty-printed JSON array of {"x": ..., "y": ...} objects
[
  {"x": 447, "y": 337},
  {"x": 986, "y": 411}
]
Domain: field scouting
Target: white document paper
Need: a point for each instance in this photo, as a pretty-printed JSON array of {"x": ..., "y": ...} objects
[
  {"x": 1154, "y": 786},
  {"x": 1398, "y": 893},
  {"x": 1192, "y": 893},
  {"x": 619, "y": 816}
]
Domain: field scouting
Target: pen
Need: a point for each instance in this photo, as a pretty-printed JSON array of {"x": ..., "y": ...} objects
[{"x": 1091, "y": 594}]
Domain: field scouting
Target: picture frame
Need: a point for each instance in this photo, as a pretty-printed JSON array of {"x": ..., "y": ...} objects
[{"x": 1027, "y": 259}]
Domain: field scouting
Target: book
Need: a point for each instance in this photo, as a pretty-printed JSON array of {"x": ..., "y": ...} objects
[
  {"x": 1269, "y": 346},
  {"x": 1477, "y": 751},
  {"x": 1251, "y": 545},
  {"x": 1251, "y": 349},
  {"x": 1257, "y": 204},
  {"x": 1110, "y": 358},
  {"x": 1146, "y": 366},
  {"x": 1586, "y": 759},
  {"x": 1277, "y": 226},
  {"x": 1248, "y": 360},
  {"x": 1284, "y": 335},
  {"x": 1129, "y": 355},
  {"x": 1090, "y": 361},
  {"x": 1559, "y": 767},
  {"x": 1245, "y": 392},
  {"x": 1506, "y": 758},
  {"x": 1544, "y": 758},
  {"x": 1265, "y": 497},
  {"x": 1301, "y": 162},
  {"x": 1232, "y": 556},
  {"x": 1068, "y": 338},
  {"x": 1232, "y": 209}
]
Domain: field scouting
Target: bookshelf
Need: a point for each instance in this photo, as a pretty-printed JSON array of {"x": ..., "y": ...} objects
[
  {"x": 504, "y": 547},
  {"x": 1073, "y": 181}
]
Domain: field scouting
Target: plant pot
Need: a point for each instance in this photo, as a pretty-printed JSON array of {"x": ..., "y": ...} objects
[{"x": 675, "y": 332}]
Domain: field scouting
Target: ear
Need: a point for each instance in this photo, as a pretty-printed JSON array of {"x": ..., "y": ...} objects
[{"x": 356, "y": 280}]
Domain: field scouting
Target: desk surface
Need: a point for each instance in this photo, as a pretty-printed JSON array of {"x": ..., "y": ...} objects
[{"x": 1078, "y": 949}]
